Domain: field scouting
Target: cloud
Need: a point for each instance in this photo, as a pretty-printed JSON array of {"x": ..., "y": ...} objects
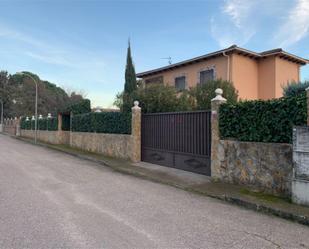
[
  {"x": 233, "y": 24},
  {"x": 50, "y": 52},
  {"x": 10, "y": 33},
  {"x": 65, "y": 63},
  {"x": 50, "y": 59},
  {"x": 296, "y": 26},
  {"x": 238, "y": 10}
]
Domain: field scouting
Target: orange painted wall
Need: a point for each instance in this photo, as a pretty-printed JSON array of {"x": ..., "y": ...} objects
[
  {"x": 286, "y": 72},
  {"x": 254, "y": 79},
  {"x": 267, "y": 78},
  {"x": 192, "y": 71},
  {"x": 244, "y": 75}
]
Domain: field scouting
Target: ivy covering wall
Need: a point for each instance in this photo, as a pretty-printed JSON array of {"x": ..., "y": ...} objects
[
  {"x": 83, "y": 106},
  {"x": 50, "y": 124},
  {"x": 104, "y": 122},
  {"x": 263, "y": 121}
]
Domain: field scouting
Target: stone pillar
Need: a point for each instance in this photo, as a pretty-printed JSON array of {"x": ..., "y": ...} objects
[
  {"x": 215, "y": 135},
  {"x": 59, "y": 122},
  {"x": 136, "y": 133},
  {"x": 307, "y": 91},
  {"x": 17, "y": 124},
  {"x": 300, "y": 181}
]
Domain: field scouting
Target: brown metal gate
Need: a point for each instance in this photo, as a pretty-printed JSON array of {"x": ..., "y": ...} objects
[{"x": 178, "y": 139}]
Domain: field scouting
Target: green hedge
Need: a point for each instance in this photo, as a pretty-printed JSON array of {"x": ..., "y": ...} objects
[
  {"x": 294, "y": 89},
  {"x": 66, "y": 122},
  {"x": 43, "y": 124},
  {"x": 104, "y": 122},
  {"x": 263, "y": 121},
  {"x": 83, "y": 106}
]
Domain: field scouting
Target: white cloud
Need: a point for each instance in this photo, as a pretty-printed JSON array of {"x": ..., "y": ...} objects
[
  {"x": 238, "y": 10},
  {"x": 52, "y": 53},
  {"x": 296, "y": 26},
  {"x": 67, "y": 63},
  {"x": 50, "y": 59},
  {"x": 234, "y": 24},
  {"x": 10, "y": 33}
]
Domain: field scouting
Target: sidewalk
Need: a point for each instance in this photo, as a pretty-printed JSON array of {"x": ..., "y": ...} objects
[{"x": 195, "y": 183}]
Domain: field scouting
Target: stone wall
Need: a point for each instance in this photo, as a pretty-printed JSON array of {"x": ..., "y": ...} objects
[
  {"x": 266, "y": 167},
  {"x": 10, "y": 126},
  {"x": 9, "y": 129},
  {"x": 113, "y": 145},
  {"x": 51, "y": 137}
]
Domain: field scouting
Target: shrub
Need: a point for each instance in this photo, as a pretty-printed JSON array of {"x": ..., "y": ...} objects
[
  {"x": 263, "y": 121},
  {"x": 43, "y": 124},
  {"x": 294, "y": 88},
  {"x": 206, "y": 92},
  {"x": 81, "y": 107},
  {"x": 25, "y": 125},
  {"x": 163, "y": 98},
  {"x": 104, "y": 122}
]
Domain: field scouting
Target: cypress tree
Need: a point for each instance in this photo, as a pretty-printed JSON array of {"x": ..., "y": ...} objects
[{"x": 130, "y": 77}]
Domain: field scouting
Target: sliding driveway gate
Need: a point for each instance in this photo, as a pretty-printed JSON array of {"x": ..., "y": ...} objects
[{"x": 178, "y": 139}]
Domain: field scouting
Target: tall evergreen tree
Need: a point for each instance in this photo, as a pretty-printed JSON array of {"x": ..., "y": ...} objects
[{"x": 130, "y": 77}]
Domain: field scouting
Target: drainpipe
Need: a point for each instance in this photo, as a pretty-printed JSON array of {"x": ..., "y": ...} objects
[{"x": 228, "y": 66}]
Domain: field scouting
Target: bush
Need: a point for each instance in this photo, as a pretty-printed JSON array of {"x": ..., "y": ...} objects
[
  {"x": 294, "y": 89},
  {"x": 162, "y": 98},
  {"x": 206, "y": 92},
  {"x": 81, "y": 107},
  {"x": 25, "y": 125},
  {"x": 43, "y": 124},
  {"x": 263, "y": 121},
  {"x": 104, "y": 122}
]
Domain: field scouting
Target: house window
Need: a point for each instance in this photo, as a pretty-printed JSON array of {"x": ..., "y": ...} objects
[
  {"x": 207, "y": 75},
  {"x": 155, "y": 80},
  {"x": 180, "y": 83}
]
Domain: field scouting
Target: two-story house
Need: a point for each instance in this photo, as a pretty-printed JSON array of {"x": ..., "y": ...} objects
[{"x": 254, "y": 75}]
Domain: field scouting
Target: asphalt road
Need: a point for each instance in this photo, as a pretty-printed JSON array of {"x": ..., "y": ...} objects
[{"x": 53, "y": 200}]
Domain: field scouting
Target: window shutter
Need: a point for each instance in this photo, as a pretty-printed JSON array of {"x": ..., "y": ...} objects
[
  {"x": 180, "y": 83},
  {"x": 206, "y": 75}
]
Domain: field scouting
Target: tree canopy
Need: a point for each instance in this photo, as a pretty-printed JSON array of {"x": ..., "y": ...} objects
[
  {"x": 130, "y": 76},
  {"x": 130, "y": 84},
  {"x": 18, "y": 95},
  {"x": 164, "y": 98}
]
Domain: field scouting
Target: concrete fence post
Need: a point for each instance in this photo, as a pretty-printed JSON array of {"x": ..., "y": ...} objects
[
  {"x": 59, "y": 122},
  {"x": 17, "y": 124},
  {"x": 136, "y": 132},
  {"x": 215, "y": 134},
  {"x": 307, "y": 91}
]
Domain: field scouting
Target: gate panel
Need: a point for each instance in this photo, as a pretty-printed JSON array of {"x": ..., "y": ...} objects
[{"x": 179, "y": 139}]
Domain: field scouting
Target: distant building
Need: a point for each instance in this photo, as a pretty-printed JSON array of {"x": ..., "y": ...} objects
[{"x": 101, "y": 109}]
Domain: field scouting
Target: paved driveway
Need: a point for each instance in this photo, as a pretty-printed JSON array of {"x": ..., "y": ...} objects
[{"x": 52, "y": 200}]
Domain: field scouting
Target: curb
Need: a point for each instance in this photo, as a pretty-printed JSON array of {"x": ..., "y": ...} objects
[{"x": 301, "y": 219}]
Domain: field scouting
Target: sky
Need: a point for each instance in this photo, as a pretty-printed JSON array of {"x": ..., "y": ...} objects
[{"x": 81, "y": 44}]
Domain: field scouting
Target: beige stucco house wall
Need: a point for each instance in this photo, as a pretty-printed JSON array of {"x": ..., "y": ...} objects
[
  {"x": 286, "y": 71},
  {"x": 267, "y": 78},
  {"x": 254, "y": 75},
  {"x": 244, "y": 75},
  {"x": 192, "y": 72}
]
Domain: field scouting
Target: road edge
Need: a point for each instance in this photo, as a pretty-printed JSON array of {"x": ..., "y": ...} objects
[{"x": 301, "y": 219}]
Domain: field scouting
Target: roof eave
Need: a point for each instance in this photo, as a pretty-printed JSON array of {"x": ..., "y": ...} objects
[
  {"x": 231, "y": 49},
  {"x": 186, "y": 62}
]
